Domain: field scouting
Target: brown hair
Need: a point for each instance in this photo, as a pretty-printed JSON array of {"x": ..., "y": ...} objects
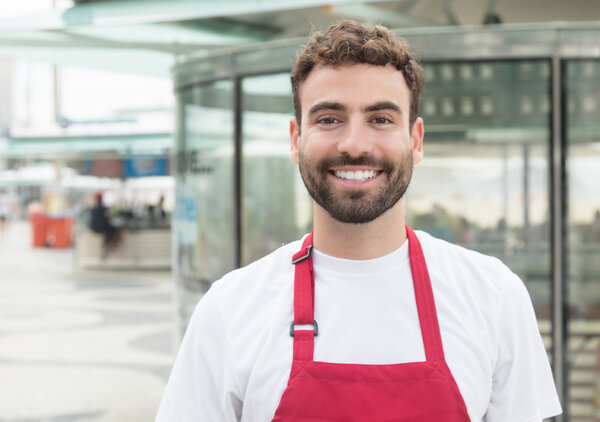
[{"x": 349, "y": 42}]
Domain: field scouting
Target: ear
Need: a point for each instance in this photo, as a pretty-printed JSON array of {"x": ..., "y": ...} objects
[
  {"x": 294, "y": 140},
  {"x": 416, "y": 136}
]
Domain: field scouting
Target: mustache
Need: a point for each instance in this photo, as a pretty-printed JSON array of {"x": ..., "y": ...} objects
[{"x": 363, "y": 160}]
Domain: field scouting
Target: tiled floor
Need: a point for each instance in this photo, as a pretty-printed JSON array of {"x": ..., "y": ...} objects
[{"x": 79, "y": 345}]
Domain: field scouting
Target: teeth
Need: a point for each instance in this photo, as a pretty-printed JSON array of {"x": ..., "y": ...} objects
[{"x": 359, "y": 175}]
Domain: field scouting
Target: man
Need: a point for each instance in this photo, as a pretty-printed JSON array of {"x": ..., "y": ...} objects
[
  {"x": 100, "y": 223},
  {"x": 362, "y": 320}
]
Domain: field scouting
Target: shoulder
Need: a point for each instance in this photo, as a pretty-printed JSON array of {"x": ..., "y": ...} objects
[
  {"x": 449, "y": 260},
  {"x": 245, "y": 307},
  {"x": 270, "y": 270},
  {"x": 247, "y": 295},
  {"x": 470, "y": 285},
  {"x": 439, "y": 249}
]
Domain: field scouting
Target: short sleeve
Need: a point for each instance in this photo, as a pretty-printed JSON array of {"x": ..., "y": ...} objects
[
  {"x": 523, "y": 387},
  {"x": 201, "y": 386}
]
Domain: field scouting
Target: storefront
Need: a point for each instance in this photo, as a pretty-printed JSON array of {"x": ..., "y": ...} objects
[{"x": 511, "y": 168}]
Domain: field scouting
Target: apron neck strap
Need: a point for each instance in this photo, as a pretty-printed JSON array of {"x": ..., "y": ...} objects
[
  {"x": 430, "y": 329},
  {"x": 304, "y": 302},
  {"x": 304, "y": 327}
]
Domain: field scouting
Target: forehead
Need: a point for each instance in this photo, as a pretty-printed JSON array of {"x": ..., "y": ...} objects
[{"x": 356, "y": 84}]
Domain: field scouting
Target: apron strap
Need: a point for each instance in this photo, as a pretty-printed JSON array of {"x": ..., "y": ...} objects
[
  {"x": 304, "y": 299},
  {"x": 304, "y": 303},
  {"x": 430, "y": 330}
]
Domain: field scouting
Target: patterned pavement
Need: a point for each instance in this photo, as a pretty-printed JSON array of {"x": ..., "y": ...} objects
[{"x": 80, "y": 345}]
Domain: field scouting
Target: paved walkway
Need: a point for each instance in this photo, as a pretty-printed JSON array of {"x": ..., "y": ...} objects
[{"x": 79, "y": 345}]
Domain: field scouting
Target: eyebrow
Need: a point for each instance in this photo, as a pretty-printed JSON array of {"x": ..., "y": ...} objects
[
  {"x": 330, "y": 105},
  {"x": 326, "y": 105},
  {"x": 383, "y": 105}
]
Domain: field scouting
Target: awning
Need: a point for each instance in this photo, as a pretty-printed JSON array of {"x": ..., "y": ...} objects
[
  {"x": 146, "y": 36},
  {"x": 74, "y": 147}
]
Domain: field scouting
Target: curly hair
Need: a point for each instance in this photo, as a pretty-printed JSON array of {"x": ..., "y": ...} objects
[{"x": 350, "y": 42}]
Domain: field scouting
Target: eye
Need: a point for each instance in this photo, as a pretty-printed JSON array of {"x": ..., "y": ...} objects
[
  {"x": 381, "y": 120},
  {"x": 328, "y": 121}
]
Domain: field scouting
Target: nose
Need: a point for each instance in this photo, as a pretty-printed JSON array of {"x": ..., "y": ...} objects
[{"x": 355, "y": 139}]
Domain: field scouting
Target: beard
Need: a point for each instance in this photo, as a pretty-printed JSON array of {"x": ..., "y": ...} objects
[{"x": 356, "y": 206}]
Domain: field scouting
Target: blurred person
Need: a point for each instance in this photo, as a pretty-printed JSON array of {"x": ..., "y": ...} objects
[
  {"x": 157, "y": 213},
  {"x": 363, "y": 320},
  {"x": 160, "y": 208},
  {"x": 100, "y": 223},
  {"x": 5, "y": 208}
]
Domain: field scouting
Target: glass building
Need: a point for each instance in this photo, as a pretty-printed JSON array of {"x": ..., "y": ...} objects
[{"x": 511, "y": 169}]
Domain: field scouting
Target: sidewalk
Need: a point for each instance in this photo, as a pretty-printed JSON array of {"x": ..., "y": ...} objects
[{"x": 79, "y": 345}]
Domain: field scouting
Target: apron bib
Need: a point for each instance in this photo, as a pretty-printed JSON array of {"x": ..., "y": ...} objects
[{"x": 332, "y": 392}]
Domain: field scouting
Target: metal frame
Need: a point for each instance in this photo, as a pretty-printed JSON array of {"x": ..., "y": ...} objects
[
  {"x": 459, "y": 43},
  {"x": 557, "y": 232},
  {"x": 237, "y": 163}
]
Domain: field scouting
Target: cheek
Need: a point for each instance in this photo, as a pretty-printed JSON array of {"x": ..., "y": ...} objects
[
  {"x": 313, "y": 147},
  {"x": 395, "y": 146}
]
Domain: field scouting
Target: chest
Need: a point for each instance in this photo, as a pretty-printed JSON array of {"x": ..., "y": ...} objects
[{"x": 375, "y": 323}]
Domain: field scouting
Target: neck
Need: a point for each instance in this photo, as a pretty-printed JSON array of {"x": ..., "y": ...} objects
[{"x": 359, "y": 241}]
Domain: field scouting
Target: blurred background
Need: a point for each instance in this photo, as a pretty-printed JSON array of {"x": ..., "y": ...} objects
[{"x": 144, "y": 153}]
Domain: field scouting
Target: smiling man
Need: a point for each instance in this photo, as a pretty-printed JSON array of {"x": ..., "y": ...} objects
[{"x": 363, "y": 319}]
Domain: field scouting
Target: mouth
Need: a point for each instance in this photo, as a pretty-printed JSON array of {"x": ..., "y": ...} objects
[{"x": 356, "y": 175}]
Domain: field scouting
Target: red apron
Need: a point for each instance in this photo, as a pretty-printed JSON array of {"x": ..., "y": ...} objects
[{"x": 332, "y": 392}]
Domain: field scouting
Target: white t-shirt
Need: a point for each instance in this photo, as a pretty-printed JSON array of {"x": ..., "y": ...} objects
[{"x": 235, "y": 359}]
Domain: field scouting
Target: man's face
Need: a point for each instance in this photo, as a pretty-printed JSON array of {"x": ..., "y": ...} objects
[{"x": 355, "y": 148}]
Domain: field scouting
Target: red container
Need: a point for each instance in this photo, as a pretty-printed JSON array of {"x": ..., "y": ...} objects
[
  {"x": 60, "y": 232},
  {"x": 39, "y": 229}
]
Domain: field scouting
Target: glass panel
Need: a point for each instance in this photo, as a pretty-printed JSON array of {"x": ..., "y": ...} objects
[
  {"x": 583, "y": 244},
  {"x": 275, "y": 206},
  {"x": 483, "y": 182},
  {"x": 205, "y": 218}
]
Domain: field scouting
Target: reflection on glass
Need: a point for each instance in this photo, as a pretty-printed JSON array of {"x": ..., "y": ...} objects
[
  {"x": 447, "y": 72},
  {"x": 204, "y": 220},
  {"x": 484, "y": 179},
  {"x": 429, "y": 107},
  {"x": 486, "y": 71},
  {"x": 466, "y": 71},
  {"x": 583, "y": 244},
  {"x": 466, "y": 106},
  {"x": 487, "y": 106},
  {"x": 275, "y": 206},
  {"x": 474, "y": 195},
  {"x": 447, "y": 107}
]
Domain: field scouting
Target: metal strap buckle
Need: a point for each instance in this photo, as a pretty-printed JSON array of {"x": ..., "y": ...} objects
[
  {"x": 303, "y": 257},
  {"x": 293, "y": 327}
]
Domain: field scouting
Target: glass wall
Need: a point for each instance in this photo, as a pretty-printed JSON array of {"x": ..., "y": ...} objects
[
  {"x": 583, "y": 245},
  {"x": 205, "y": 211},
  {"x": 484, "y": 179},
  {"x": 275, "y": 206}
]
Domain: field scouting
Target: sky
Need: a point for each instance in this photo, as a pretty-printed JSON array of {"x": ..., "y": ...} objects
[
  {"x": 24, "y": 7},
  {"x": 80, "y": 99}
]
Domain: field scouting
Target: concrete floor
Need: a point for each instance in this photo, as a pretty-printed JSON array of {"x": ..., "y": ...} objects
[{"x": 79, "y": 345}]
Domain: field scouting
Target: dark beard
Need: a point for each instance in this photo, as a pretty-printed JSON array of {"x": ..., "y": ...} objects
[{"x": 356, "y": 207}]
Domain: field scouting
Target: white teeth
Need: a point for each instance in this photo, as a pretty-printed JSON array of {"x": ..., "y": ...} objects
[{"x": 359, "y": 175}]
